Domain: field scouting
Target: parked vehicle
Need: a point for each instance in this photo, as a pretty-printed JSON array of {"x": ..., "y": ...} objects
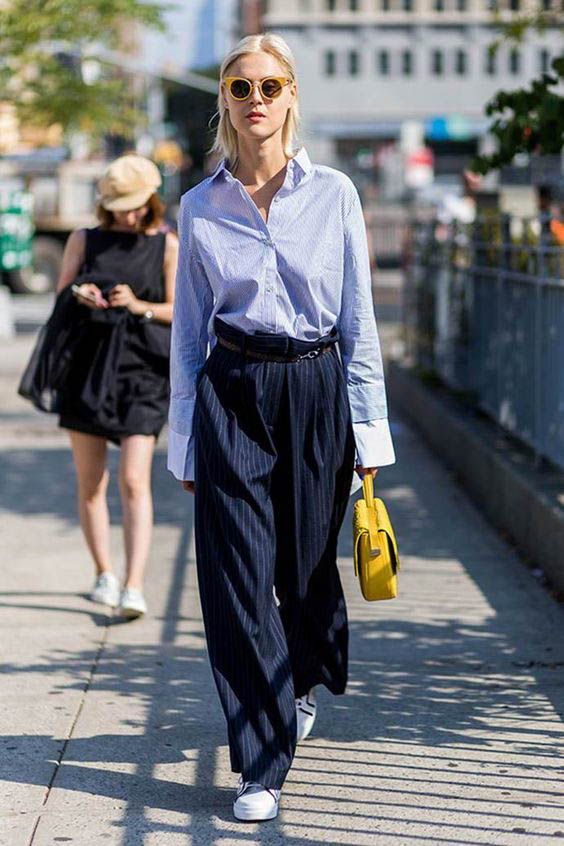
[
  {"x": 16, "y": 232},
  {"x": 62, "y": 196}
]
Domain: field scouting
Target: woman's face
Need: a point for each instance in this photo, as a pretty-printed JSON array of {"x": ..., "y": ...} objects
[
  {"x": 258, "y": 117},
  {"x": 130, "y": 219}
]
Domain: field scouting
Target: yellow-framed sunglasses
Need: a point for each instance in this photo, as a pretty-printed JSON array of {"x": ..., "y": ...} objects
[{"x": 270, "y": 86}]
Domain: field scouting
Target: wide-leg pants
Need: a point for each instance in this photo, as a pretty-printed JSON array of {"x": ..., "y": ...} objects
[{"x": 274, "y": 456}]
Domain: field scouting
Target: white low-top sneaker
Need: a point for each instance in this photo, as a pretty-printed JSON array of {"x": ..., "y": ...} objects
[
  {"x": 306, "y": 712},
  {"x": 106, "y": 590},
  {"x": 254, "y": 802},
  {"x": 132, "y": 603}
]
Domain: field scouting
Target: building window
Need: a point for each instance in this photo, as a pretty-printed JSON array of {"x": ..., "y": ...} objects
[
  {"x": 353, "y": 5},
  {"x": 514, "y": 5},
  {"x": 514, "y": 61},
  {"x": 439, "y": 5},
  {"x": 461, "y": 62},
  {"x": 461, "y": 5},
  {"x": 354, "y": 62},
  {"x": 408, "y": 5},
  {"x": 407, "y": 63},
  {"x": 384, "y": 62},
  {"x": 385, "y": 5},
  {"x": 544, "y": 61},
  {"x": 490, "y": 63},
  {"x": 437, "y": 62},
  {"x": 330, "y": 62},
  {"x": 331, "y": 5}
]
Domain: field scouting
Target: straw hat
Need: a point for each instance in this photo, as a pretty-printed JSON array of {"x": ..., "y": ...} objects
[{"x": 128, "y": 183}]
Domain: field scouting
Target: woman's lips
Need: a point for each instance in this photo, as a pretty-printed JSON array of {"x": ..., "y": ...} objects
[{"x": 254, "y": 117}]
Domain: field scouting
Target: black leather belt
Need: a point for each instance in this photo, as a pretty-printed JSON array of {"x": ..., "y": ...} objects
[
  {"x": 265, "y": 346},
  {"x": 314, "y": 353}
]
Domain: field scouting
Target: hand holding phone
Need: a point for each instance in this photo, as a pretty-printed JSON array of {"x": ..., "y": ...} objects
[{"x": 90, "y": 295}]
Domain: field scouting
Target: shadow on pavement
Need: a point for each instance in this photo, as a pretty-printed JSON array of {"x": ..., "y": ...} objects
[
  {"x": 42, "y": 481},
  {"x": 422, "y": 684}
]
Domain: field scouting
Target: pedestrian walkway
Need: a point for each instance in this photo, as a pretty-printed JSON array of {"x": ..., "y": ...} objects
[{"x": 451, "y": 731}]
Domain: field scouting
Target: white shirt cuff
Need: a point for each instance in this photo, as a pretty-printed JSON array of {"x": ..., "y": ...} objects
[
  {"x": 180, "y": 460},
  {"x": 374, "y": 447}
]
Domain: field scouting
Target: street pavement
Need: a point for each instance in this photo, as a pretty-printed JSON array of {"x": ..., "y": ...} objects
[{"x": 451, "y": 730}]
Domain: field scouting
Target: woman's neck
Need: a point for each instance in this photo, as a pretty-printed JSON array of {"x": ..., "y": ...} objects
[
  {"x": 133, "y": 230},
  {"x": 258, "y": 164}
]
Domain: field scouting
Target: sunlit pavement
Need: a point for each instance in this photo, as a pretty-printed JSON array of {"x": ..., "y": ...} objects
[{"x": 451, "y": 731}]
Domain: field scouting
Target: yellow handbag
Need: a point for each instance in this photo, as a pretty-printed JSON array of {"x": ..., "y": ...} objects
[{"x": 376, "y": 559}]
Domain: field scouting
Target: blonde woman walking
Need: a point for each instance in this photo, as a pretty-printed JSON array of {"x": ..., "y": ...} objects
[{"x": 274, "y": 272}]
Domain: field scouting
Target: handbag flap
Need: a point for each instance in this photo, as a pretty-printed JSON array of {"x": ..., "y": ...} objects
[{"x": 385, "y": 527}]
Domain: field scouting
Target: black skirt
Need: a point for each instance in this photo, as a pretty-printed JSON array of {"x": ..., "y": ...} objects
[{"x": 106, "y": 372}]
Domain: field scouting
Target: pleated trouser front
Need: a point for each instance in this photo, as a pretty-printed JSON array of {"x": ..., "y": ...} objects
[{"x": 274, "y": 454}]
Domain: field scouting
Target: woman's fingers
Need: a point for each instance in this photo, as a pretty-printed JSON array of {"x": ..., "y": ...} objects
[
  {"x": 362, "y": 470},
  {"x": 91, "y": 296}
]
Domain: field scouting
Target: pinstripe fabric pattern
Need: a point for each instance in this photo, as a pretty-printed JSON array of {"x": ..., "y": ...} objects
[
  {"x": 304, "y": 271},
  {"x": 274, "y": 449}
]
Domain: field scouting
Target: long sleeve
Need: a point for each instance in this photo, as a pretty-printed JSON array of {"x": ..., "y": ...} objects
[
  {"x": 360, "y": 346},
  {"x": 193, "y": 304}
]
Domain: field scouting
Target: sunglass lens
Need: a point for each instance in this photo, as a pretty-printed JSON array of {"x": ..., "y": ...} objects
[
  {"x": 240, "y": 89},
  {"x": 271, "y": 88}
]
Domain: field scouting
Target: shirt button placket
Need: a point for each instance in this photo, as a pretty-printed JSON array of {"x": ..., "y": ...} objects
[{"x": 270, "y": 263}]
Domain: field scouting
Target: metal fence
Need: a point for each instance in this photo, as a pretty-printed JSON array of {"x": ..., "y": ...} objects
[{"x": 484, "y": 310}]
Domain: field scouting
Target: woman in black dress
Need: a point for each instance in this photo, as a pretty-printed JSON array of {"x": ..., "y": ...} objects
[{"x": 124, "y": 272}]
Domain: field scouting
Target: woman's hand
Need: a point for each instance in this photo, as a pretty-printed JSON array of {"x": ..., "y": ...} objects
[
  {"x": 189, "y": 486},
  {"x": 90, "y": 295},
  {"x": 122, "y": 296},
  {"x": 362, "y": 470}
]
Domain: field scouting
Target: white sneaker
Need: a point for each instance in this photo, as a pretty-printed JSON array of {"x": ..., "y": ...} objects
[
  {"x": 132, "y": 603},
  {"x": 106, "y": 590},
  {"x": 306, "y": 712},
  {"x": 254, "y": 802}
]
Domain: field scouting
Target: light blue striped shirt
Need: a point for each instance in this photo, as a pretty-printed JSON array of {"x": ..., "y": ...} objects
[{"x": 300, "y": 273}]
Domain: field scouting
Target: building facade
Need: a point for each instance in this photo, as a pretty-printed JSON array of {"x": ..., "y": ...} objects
[{"x": 369, "y": 67}]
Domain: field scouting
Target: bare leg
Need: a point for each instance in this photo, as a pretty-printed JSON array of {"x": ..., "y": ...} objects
[
  {"x": 92, "y": 475},
  {"x": 137, "y": 504}
]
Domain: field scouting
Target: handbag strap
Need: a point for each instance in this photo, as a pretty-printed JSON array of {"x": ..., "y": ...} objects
[{"x": 368, "y": 490}]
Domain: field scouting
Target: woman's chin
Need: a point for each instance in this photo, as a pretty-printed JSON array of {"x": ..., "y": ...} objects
[{"x": 255, "y": 130}]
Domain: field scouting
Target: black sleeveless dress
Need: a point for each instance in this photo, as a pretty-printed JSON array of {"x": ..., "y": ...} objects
[{"x": 118, "y": 382}]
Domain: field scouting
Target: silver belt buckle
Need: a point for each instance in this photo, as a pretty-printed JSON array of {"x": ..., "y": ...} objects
[{"x": 310, "y": 354}]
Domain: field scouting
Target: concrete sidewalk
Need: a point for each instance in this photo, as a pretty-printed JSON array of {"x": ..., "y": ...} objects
[{"x": 451, "y": 732}]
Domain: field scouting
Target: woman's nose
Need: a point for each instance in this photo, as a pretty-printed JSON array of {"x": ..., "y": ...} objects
[{"x": 256, "y": 95}]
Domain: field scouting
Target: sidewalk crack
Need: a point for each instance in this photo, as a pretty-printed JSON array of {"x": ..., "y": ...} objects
[{"x": 70, "y": 733}]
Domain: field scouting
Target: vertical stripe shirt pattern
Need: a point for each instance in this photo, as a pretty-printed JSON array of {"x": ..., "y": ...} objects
[{"x": 300, "y": 273}]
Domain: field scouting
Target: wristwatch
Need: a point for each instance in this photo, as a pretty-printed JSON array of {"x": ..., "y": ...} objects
[{"x": 148, "y": 315}]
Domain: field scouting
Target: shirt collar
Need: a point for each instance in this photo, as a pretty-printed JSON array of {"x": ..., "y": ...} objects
[{"x": 300, "y": 160}]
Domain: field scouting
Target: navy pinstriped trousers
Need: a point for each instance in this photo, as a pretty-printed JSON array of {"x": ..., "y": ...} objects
[{"x": 274, "y": 455}]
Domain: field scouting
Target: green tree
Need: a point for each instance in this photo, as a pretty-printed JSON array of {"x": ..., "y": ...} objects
[
  {"x": 529, "y": 119},
  {"x": 47, "y": 45}
]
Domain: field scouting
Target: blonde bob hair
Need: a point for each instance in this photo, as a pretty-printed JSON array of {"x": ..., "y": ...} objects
[{"x": 225, "y": 141}]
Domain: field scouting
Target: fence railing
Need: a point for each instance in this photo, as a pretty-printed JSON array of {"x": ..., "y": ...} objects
[{"x": 484, "y": 310}]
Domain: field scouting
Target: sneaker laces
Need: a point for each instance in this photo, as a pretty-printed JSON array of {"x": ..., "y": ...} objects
[
  {"x": 254, "y": 787},
  {"x": 105, "y": 578}
]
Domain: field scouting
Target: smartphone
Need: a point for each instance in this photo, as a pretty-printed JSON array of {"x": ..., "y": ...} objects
[{"x": 90, "y": 297}]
